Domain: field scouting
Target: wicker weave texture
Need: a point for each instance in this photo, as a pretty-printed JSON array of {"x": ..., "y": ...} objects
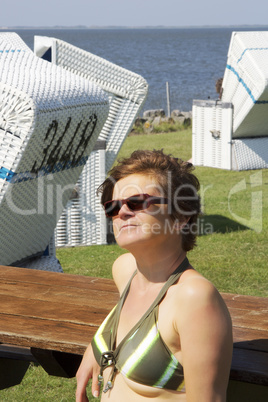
[
  {"x": 107, "y": 75},
  {"x": 49, "y": 122},
  {"x": 43, "y": 263},
  {"x": 250, "y": 153},
  {"x": 83, "y": 221},
  {"x": 245, "y": 83},
  {"x": 127, "y": 91},
  {"x": 93, "y": 217},
  {"x": 211, "y": 134}
]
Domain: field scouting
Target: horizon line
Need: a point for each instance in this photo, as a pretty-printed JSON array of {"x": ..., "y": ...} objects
[{"x": 130, "y": 27}]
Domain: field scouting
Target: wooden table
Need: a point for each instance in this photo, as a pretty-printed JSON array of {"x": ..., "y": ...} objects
[{"x": 56, "y": 315}]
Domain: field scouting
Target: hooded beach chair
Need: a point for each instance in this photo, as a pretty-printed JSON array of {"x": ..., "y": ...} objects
[
  {"x": 232, "y": 133},
  {"x": 50, "y": 120},
  {"x": 83, "y": 221}
]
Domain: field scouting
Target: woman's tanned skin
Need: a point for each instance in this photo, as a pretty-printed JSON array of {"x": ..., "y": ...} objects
[{"x": 193, "y": 320}]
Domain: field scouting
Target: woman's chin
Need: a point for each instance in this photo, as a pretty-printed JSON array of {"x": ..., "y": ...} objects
[
  {"x": 134, "y": 243},
  {"x": 127, "y": 241}
]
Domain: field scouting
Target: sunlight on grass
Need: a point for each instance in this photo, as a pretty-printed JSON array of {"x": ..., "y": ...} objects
[{"x": 177, "y": 143}]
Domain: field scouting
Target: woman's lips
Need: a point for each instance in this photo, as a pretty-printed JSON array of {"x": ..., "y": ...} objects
[{"x": 128, "y": 226}]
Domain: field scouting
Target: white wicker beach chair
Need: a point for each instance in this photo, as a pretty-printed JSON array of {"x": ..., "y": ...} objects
[
  {"x": 127, "y": 92},
  {"x": 243, "y": 144},
  {"x": 245, "y": 83},
  {"x": 50, "y": 120}
]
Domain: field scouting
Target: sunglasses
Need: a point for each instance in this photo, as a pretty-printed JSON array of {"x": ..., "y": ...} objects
[{"x": 136, "y": 202}]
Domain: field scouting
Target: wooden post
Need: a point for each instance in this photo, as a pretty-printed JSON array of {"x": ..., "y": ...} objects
[{"x": 168, "y": 99}]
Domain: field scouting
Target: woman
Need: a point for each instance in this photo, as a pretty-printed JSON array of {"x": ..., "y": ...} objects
[{"x": 170, "y": 337}]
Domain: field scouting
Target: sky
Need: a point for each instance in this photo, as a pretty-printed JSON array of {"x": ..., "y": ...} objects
[{"x": 132, "y": 13}]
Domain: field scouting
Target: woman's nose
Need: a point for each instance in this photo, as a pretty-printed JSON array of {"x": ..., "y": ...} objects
[{"x": 125, "y": 211}]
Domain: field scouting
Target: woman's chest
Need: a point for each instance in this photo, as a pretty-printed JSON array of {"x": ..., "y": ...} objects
[
  {"x": 135, "y": 308},
  {"x": 159, "y": 320}
]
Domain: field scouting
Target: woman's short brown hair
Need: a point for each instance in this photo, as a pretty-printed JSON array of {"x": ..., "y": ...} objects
[{"x": 176, "y": 180}]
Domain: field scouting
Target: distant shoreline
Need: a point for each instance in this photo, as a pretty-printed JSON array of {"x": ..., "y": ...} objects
[{"x": 133, "y": 27}]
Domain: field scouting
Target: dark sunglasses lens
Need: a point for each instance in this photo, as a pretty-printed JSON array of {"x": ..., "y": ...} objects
[
  {"x": 137, "y": 203},
  {"x": 112, "y": 208}
]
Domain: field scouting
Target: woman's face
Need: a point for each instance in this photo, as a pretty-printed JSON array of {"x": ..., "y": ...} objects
[{"x": 154, "y": 224}]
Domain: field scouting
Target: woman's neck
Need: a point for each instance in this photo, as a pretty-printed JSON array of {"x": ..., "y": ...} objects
[{"x": 157, "y": 267}]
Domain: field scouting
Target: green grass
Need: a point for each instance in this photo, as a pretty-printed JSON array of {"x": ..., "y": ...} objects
[
  {"x": 233, "y": 257},
  {"x": 176, "y": 143},
  {"x": 92, "y": 261},
  {"x": 38, "y": 386}
]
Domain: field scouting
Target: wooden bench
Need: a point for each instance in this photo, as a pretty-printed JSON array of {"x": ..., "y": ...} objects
[{"x": 54, "y": 316}]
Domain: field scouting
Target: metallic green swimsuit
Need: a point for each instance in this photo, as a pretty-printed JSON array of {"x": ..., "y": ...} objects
[{"x": 142, "y": 356}]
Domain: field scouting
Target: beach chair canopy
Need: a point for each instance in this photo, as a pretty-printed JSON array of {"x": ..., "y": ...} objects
[
  {"x": 50, "y": 120},
  {"x": 245, "y": 83}
]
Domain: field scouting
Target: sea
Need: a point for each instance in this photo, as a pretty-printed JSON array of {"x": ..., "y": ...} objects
[{"x": 190, "y": 60}]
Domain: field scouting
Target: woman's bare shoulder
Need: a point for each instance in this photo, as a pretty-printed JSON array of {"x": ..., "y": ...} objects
[
  {"x": 123, "y": 268},
  {"x": 194, "y": 287},
  {"x": 196, "y": 294}
]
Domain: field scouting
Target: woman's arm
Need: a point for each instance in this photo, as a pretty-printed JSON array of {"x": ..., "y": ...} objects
[
  {"x": 205, "y": 331},
  {"x": 89, "y": 368}
]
